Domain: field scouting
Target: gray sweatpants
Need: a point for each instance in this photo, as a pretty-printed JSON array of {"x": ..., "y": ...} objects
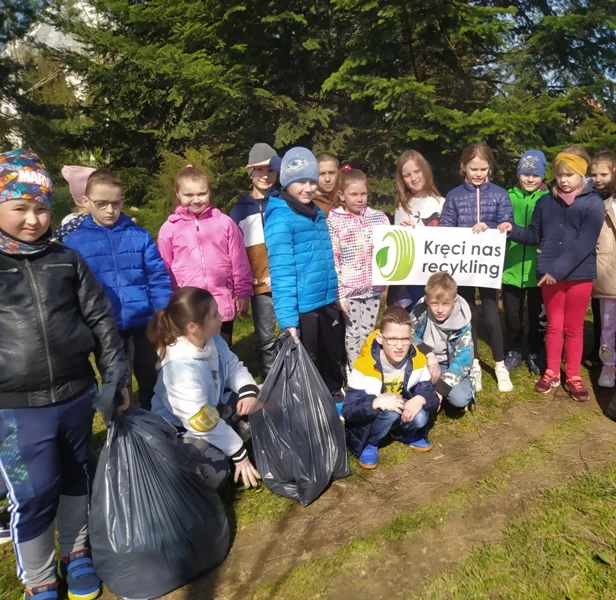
[{"x": 360, "y": 322}]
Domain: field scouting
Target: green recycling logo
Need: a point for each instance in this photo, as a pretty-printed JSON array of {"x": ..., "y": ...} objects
[{"x": 401, "y": 264}]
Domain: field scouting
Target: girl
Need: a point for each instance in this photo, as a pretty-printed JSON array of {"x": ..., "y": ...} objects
[
  {"x": 418, "y": 204},
  {"x": 565, "y": 226},
  {"x": 197, "y": 370},
  {"x": 602, "y": 170},
  {"x": 350, "y": 227},
  {"x": 329, "y": 170},
  {"x": 203, "y": 247},
  {"x": 480, "y": 204}
]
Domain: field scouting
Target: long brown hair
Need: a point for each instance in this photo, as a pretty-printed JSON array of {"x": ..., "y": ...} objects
[
  {"x": 403, "y": 194},
  {"x": 346, "y": 178},
  {"x": 477, "y": 150},
  {"x": 187, "y": 305}
]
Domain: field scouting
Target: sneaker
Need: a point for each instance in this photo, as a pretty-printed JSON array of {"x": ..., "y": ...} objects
[
  {"x": 536, "y": 363},
  {"x": 607, "y": 379},
  {"x": 502, "y": 377},
  {"x": 548, "y": 382},
  {"x": 43, "y": 591},
  {"x": 476, "y": 376},
  {"x": 417, "y": 442},
  {"x": 78, "y": 572},
  {"x": 369, "y": 457},
  {"x": 513, "y": 359},
  {"x": 576, "y": 389}
]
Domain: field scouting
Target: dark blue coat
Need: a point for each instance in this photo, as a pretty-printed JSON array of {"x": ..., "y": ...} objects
[
  {"x": 460, "y": 208},
  {"x": 566, "y": 235},
  {"x": 125, "y": 260}
]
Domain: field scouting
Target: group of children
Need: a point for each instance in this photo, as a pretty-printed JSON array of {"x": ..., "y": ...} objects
[{"x": 297, "y": 250}]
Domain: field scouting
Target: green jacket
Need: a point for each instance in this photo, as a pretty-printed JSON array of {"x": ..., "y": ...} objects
[{"x": 520, "y": 267}]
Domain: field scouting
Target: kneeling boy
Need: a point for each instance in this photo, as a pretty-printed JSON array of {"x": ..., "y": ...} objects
[
  {"x": 442, "y": 325},
  {"x": 390, "y": 391}
]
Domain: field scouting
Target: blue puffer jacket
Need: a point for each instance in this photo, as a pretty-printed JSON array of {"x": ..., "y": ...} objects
[
  {"x": 566, "y": 235},
  {"x": 125, "y": 260},
  {"x": 467, "y": 205},
  {"x": 301, "y": 260}
]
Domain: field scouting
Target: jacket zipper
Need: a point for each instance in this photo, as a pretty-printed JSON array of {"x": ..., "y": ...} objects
[
  {"x": 201, "y": 251},
  {"x": 261, "y": 211},
  {"x": 478, "y": 206},
  {"x": 524, "y": 247},
  {"x": 115, "y": 268},
  {"x": 37, "y": 298}
]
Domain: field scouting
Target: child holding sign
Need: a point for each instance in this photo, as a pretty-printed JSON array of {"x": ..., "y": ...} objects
[
  {"x": 480, "y": 204},
  {"x": 566, "y": 225}
]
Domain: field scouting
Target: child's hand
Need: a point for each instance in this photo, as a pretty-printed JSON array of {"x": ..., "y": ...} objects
[
  {"x": 126, "y": 400},
  {"x": 434, "y": 368},
  {"x": 407, "y": 223},
  {"x": 345, "y": 305},
  {"x": 293, "y": 332},
  {"x": 241, "y": 306},
  {"x": 547, "y": 279},
  {"x": 263, "y": 163},
  {"x": 479, "y": 227},
  {"x": 412, "y": 408},
  {"x": 247, "y": 472},
  {"x": 505, "y": 227},
  {"x": 246, "y": 405},
  {"x": 390, "y": 402}
]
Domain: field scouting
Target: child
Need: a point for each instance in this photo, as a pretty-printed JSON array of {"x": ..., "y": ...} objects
[
  {"x": 329, "y": 169},
  {"x": 126, "y": 262},
  {"x": 301, "y": 261},
  {"x": 520, "y": 270},
  {"x": 480, "y": 204},
  {"x": 350, "y": 228},
  {"x": 203, "y": 247},
  {"x": 197, "y": 371},
  {"x": 390, "y": 391},
  {"x": 566, "y": 225},
  {"x": 441, "y": 323},
  {"x": 418, "y": 204},
  {"x": 249, "y": 215},
  {"x": 76, "y": 177},
  {"x": 53, "y": 315},
  {"x": 602, "y": 170}
]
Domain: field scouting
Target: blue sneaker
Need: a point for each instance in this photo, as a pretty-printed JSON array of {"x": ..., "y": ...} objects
[
  {"x": 513, "y": 360},
  {"x": 43, "y": 591},
  {"x": 77, "y": 570},
  {"x": 369, "y": 457},
  {"x": 536, "y": 364},
  {"x": 417, "y": 442}
]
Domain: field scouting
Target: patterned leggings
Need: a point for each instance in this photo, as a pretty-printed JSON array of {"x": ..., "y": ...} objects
[
  {"x": 608, "y": 332},
  {"x": 360, "y": 323}
]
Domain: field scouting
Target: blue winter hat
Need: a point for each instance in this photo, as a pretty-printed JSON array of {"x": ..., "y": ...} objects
[
  {"x": 298, "y": 164},
  {"x": 532, "y": 162}
]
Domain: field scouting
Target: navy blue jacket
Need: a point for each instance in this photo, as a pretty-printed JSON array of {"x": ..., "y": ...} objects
[
  {"x": 461, "y": 210},
  {"x": 125, "y": 260},
  {"x": 566, "y": 235}
]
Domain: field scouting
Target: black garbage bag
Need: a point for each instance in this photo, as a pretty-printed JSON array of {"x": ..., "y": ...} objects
[
  {"x": 297, "y": 436},
  {"x": 154, "y": 523}
]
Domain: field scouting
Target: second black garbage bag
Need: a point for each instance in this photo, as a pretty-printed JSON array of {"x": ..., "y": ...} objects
[{"x": 297, "y": 435}]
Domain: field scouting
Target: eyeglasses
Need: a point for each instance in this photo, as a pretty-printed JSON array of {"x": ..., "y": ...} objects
[
  {"x": 103, "y": 204},
  {"x": 394, "y": 341}
]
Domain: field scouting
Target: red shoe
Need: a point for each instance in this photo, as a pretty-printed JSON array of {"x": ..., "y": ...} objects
[
  {"x": 576, "y": 389},
  {"x": 547, "y": 383}
]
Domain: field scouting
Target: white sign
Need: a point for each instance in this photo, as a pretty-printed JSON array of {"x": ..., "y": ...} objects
[{"x": 408, "y": 256}]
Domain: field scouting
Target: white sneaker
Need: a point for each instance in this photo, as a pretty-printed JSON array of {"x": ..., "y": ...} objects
[
  {"x": 502, "y": 377},
  {"x": 607, "y": 379},
  {"x": 476, "y": 375}
]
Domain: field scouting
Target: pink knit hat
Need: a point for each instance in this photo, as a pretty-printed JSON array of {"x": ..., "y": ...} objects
[{"x": 77, "y": 178}]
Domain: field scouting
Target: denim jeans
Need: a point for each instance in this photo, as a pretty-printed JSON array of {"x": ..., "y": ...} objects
[
  {"x": 264, "y": 321},
  {"x": 386, "y": 420},
  {"x": 461, "y": 394}
]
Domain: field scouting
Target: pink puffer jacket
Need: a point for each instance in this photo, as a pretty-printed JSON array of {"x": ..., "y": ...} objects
[{"x": 208, "y": 252}]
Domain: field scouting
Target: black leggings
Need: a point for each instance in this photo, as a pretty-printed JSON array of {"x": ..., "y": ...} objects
[{"x": 489, "y": 302}]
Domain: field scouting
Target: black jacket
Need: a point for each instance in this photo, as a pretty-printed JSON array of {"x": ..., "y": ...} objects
[{"x": 53, "y": 315}]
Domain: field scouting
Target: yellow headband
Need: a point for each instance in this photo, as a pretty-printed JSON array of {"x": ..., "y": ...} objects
[{"x": 576, "y": 163}]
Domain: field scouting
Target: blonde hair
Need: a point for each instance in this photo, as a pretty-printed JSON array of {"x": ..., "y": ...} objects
[
  {"x": 326, "y": 156},
  {"x": 104, "y": 177},
  {"x": 403, "y": 194},
  {"x": 345, "y": 179},
  {"x": 439, "y": 285},
  {"x": 476, "y": 150},
  {"x": 606, "y": 156},
  {"x": 190, "y": 173}
]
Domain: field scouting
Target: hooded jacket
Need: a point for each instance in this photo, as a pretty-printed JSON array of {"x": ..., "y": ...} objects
[
  {"x": 520, "y": 268},
  {"x": 207, "y": 252},
  {"x": 193, "y": 381},
  {"x": 566, "y": 235},
  {"x": 454, "y": 341},
  {"x": 366, "y": 383},
  {"x": 125, "y": 260},
  {"x": 301, "y": 259},
  {"x": 352, "y": 242},
  {"x": 467, "y": 205},
  {"x": 605, "y": 284}
]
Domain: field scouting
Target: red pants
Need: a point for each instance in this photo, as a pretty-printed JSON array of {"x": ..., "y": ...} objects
[{"x": 565, "y": 305}]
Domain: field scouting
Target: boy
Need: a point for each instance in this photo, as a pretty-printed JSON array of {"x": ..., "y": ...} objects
[
  {"x": 249, "y": 216},
  {"x": 520, "y": 271},
  {"x": 442, "y": 325},
  {"x": 126, "y": 262},
  {"x": 329, "y": 169},
  {"x": 53, "y": 315},
  {"x": 390, "y": 391}
]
